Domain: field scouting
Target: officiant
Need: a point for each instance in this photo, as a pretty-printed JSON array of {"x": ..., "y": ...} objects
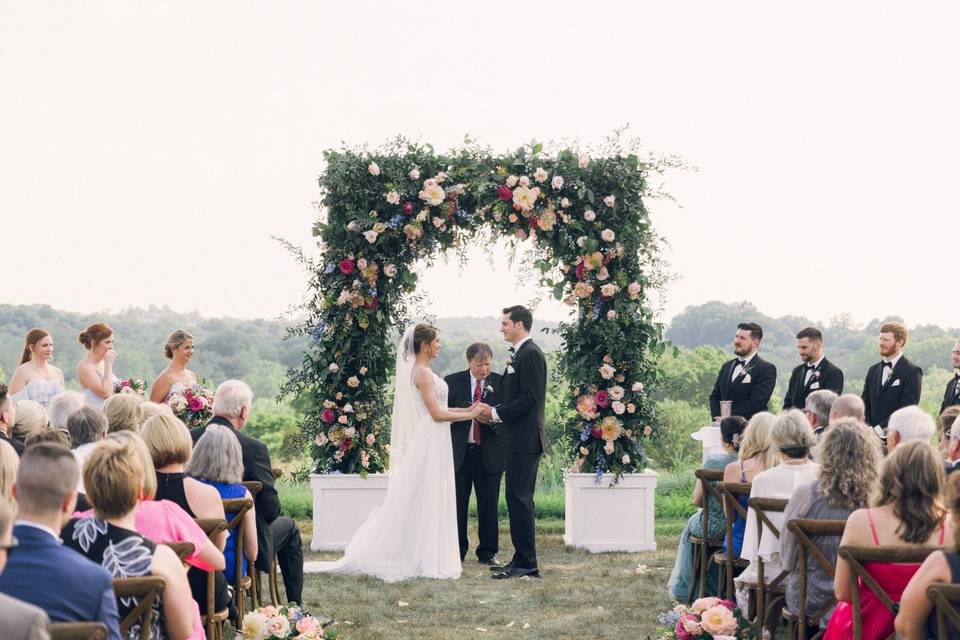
[{"x": 477, "y": 459}]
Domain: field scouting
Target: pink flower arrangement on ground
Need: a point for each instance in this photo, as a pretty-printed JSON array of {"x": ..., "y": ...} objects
[
  {"x": 706, "y": 619},
  {"x": 283, "y": 623}
]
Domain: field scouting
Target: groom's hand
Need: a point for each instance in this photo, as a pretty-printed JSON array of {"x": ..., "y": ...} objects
[{"x": 485, "y": 413}]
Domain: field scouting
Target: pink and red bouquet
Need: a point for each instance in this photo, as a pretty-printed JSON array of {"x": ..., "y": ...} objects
[
  {"x": 134, "y": 386},
  {"x": 192, "y": 404},
  {"x": 283, "y": 623},
  {"x": 706, "y": 619}
]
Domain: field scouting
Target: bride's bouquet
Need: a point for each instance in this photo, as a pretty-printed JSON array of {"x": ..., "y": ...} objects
[
  {"x": 133, "y": 386},
  {"x": 283, "y": 623},
  {"x": 192, "y": 404}
]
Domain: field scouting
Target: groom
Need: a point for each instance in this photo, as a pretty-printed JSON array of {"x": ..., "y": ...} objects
[{"x": 522, "y": 395}]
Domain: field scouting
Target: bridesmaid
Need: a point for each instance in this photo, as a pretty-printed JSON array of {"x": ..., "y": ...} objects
[
  {"x": 178, "y": 350},
  {"x": 95, "y": 371},
  {"x": 36, "y": 379}
]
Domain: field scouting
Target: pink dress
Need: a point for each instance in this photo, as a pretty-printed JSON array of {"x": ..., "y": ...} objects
[
  {"x": 165, "y": 521},
  {"x": 876, "y": 619}
]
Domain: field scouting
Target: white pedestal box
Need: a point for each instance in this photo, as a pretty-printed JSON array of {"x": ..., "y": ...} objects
[
  {"x": 602, "y": 518},
  {"x": 341, "y": 502}
]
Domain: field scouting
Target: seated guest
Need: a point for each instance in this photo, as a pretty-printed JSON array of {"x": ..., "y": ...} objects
[
  {"x": 123, "y": 412},
  {"x": 216, "y": 461},
  {"x": 231, "y": 408},
  {"x": 944, "y": 424},
  {"x": 46, "y": 434},
  {"x": 46, "y": 492},
  {"x": 849, "y": 405},
  {"x": 21, "y": 621},
  {"x": 170, "y": 446},
  {"x": 113, "y": 475},
  {"x": 62, "y": 407},
  {"x": 9, "y": 464},
  {"x": 87, "y": 427},
  {"x": 731, "y": 431},
  {"x": 849, "y": 465},
  {"x": 916, "y": 621},
  {"x": 756, "y": 454},
  {"x": 907, "y": 512},
  {"x": 953, "y": 447},
  {"x": 30, "y": 415},
  {"x": 909, "y": 423},
  {"x": 817, "y": 409},
  {"x": 7, "y": 419},
  {"x": 793, "y": 438},
  {"x": 150, "y": 409}
]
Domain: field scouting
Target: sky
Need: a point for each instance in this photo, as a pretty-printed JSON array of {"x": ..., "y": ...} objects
[{"x": 149, "y": 150}]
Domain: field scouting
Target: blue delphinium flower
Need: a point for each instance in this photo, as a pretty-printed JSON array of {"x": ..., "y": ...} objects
[
  {"x": 396, "y": 222},
  {"x": 585, "y": 434},
  {"x": 319, "y": 331},
  {"x": 596, "y": 309},
  {"x": 330, "y": 268},
  {"x": 669, "y": 619}
]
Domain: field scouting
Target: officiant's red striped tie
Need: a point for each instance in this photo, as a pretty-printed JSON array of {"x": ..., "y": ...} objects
[{"x": 477, "y": 395}]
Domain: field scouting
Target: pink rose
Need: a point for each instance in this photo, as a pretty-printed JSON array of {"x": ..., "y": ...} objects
[
  {"x": 327, "y": 416},
  {"x": 603, "y": 399},
  {"x": 718, "y": 621},
  {"x": 370, "y": 440},
  {"x": 702, "y": 604},
  {"x": 408, "y": 208},
  {"x": 195, "y": 404},
  {"x": 346, "y": 267},
  {"x": 308, "y": 626},
  {"x": 504, "y": 193}
]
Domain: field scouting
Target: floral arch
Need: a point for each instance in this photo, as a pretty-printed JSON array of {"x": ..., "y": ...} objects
[{"x": 593, "y": 246}]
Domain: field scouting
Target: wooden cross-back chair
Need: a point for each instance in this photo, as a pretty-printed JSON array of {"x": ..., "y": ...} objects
[
  {"x": 727, "y": 561},
  {"x": 856, "y": 556},
  {"x": 776, "y": 588},
  {"x": 804, "y": 531},
  {"x": 254, "y": 487},
  {"x": 78, "y": 631},
  {"x": 182, "y": 549},
  {"x": 704, "y": 544},
  {"x": 213, "y": 620},
  {"x": 147, "y": 590},
  {"x": 236, "y": 509},
  {"x": 945, "y": 599}
]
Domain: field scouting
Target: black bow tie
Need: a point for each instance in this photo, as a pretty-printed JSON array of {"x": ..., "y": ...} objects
[
  {"x": 512, "y": 350},
  {"x": 811, "y": 367},
  {"x": 742, "y": 363},
  {"x": 888, "y": 364}
]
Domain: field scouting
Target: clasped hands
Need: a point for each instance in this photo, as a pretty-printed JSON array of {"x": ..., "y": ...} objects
[{"x": 485, "y": 413}]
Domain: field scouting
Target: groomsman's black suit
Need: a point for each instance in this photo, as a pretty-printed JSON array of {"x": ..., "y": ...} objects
[
  {"x": 950, "y": 396},
  {"x": 826, "y": 375},
  {"x": 902, "y": 390},
  {"x": 477, "y": 466},
  {"x": 523, "y": 392},
  {"x": 750, "y": 390}
]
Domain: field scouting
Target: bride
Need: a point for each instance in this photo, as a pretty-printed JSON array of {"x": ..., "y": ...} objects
[{"x": 414, "y": 532}]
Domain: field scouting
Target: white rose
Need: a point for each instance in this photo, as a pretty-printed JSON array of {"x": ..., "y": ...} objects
[
  {"x": 616, "y": 392},
  {"x": 524, "y": 181},
  {"x": 608, "y": 235},
  {"x": 278, "y": 626},
  {"x": 609, "y": 201},
  {"x": 526, "y": 198},
  {"x": 441, "y": 177},
  {"x": 352, "y": 225},
  {"x": 583, "y": 161},
  {"x": 432, "y": 194},
  {"x": 608, "y": 448},
  {"x": 581, "y": 241},
  {"x": 609, "y": 290},
  {"x": 321, "y": 439},
  {"x": 511, "y": 181},
  {"x": 557, "y": 183},
  {"x": 637, "y": 386},
  {"x": 362, "y": 263},
  {"x": 374, "y": 169},
  {"x": 353, "y": 381},
  {"x": 393, "y": 197},
  {"x": 348, "y": 408},
  {"x": 589, "y": 215},
  {"x": 254, "y": 626},
  {"x": 584, "y": 451},
  {"x": 414, "y": 174},
  {"x": 565, "y": 202},
  {"x": 611, "y": 315},
  {"x": 371, "y": 236},
  {"x": 334, "y": 367},
  {"x": 618, "y": 407},
  {"x": 606, "y": 372},
  {"x": 438, "y": 222},
  {"x": 540, "y": 174},
  {"x": 625, "y": 459},
  {"x": 390, "y": 270},
  {"x": 423, "y": 215}
]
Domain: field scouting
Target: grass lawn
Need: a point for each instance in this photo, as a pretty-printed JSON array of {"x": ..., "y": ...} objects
[{"x": 581, "y": 595}]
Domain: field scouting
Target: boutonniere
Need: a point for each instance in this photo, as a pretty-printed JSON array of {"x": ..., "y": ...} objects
[
  {"x": 816, "y": 373},
  {"x": 487, "y": 390}
]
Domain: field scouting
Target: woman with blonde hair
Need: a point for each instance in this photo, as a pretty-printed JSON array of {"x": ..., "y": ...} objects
[
  {"x": 124, "y": 412},
  {"x": 756, "y": 454},
  {"x": 30, "y": 415},
  {"x": 35, "y": 378},
  {"x": 114, "y": 474},
  {"x": 95, "y": 371},
  {"x": 909, "y": 511},
  {"x": 9, "y": 465},
  {"x": 179, "y": 351},
  {"x": 151, "y": 409}
]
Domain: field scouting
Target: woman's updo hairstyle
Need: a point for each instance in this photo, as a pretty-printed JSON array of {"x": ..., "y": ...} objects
[
  {"x": 174, "y": 342},
  {"x": 95, "y": 334},
  {"x": 423, "y": 334},
  {"x": 731, "y": 430}
]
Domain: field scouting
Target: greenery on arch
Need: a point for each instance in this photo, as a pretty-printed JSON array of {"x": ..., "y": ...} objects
[{"x": 593, "y": 246}]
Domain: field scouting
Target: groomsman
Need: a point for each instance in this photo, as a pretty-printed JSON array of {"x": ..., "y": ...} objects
[
  {"x": 748, "y": 380},
  {"x": 952, "y": 394},
  {"x": 892, "y": 383},
  {"x": 477, "y": 459},
  {"x": 815, "y": 373}
]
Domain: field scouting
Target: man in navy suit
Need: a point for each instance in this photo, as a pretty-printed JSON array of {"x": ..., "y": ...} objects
[
  {"x": 747, "y": 380},
  {"x": 892, "y": 383},
  {"x": 43, "y": 572}
]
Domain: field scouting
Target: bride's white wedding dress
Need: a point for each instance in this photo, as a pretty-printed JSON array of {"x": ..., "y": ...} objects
[{"x": 413, "y": 534}]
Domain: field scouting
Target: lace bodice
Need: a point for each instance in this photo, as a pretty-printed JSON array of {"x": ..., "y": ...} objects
[{"x": 441, "y": 390}]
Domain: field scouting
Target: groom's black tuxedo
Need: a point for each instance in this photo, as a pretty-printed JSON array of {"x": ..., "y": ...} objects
[
  {"x": 902, "y": 390},
  {"x": 523, "y": 393},
  {"x": 826, "y": 375},
  {"x": 750, "y": 391},
  {"x": 950, "y": 397},
  {"x": 476, "y": 466}
]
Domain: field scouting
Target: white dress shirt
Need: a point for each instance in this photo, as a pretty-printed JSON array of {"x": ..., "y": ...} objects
[
  {"x": 888, "y": 370},
  {"x": 810, "y": 369},
  {"x": 740, "y": 367}
]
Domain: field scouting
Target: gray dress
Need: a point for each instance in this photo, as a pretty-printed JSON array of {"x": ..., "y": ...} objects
[{"x": 806, "y": 504}]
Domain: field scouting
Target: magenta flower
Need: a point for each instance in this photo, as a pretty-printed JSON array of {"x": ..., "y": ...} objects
[
  {"x": 408, "y": 208},
  {"x": 195, "y": 404},
  {"x": 504, "y": 193},
  {"x": 346, "y": 267},
  {"x": 603, "y": 399},
  {"x": 327, "y": 416},
  {"x": 581, "y": 268}
]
